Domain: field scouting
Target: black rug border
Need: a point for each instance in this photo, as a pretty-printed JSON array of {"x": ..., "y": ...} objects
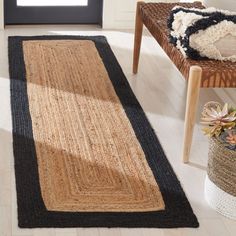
[{"x": 32, "y": 212}]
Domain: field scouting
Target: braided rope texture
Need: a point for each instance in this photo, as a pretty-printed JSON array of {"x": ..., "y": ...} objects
[
  {"x": 35, "y": 208},
  {"x": 222, "y": 166},
  {"x": 220, "y": 200}
]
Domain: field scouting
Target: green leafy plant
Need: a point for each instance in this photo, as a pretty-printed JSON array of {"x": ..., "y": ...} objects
[{"x": 220, "y": 121}]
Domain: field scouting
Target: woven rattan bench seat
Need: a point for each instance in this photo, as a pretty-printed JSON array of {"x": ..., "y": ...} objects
[{"x": 215, "y": 73}]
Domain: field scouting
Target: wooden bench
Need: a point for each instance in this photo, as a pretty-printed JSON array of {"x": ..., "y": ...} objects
[{"x": 202, "y": 73}]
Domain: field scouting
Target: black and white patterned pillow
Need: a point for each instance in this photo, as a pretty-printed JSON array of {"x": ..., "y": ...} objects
[{"x": 203, "y": 33}]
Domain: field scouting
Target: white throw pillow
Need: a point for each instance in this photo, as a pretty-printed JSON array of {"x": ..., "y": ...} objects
[{"x": 204, "y": 33}]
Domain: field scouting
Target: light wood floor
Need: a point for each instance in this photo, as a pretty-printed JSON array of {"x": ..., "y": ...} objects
[{"x": 161, "y": 91}]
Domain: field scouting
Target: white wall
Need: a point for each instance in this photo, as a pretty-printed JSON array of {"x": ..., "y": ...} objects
[
  {"x": 1, "y": 15},
  {"x": 120, "y": 14},
  {"x": 224, "y": 4}
]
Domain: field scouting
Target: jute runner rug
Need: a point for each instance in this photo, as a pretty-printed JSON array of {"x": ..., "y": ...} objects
[{"x": 85, "y": 153}]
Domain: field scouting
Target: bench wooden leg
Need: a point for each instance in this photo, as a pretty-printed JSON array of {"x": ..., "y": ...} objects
[
  {"x": 137, "y": 37},
  {"x": 194, "y": 82}
]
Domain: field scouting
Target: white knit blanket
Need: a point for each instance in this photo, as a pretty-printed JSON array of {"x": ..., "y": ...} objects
[{"x": 204, "y": 33}]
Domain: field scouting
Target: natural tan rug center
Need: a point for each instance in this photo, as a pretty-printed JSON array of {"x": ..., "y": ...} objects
[{"x": 89, "y": 158}]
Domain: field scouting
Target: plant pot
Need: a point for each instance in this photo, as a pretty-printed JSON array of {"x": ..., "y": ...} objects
[{"x": 220, "y": 184}]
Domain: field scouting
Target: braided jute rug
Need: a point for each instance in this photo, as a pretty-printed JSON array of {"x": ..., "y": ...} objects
[{"x": 85, "y": 153}]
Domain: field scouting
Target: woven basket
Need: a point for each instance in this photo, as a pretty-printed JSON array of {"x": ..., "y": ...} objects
[{"x": 220, "y": 186}]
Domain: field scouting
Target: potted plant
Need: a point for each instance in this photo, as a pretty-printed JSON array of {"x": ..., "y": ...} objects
[{"x": 220, "y": 184}]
